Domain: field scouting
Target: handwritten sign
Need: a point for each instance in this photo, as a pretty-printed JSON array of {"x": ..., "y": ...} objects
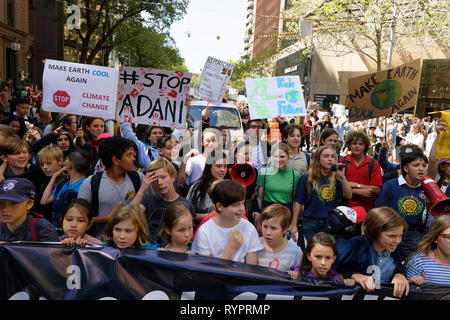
[
  {"x": 277, "y": 96},
  {"x": 75, "y": 88},
  {"x": 214, "y": 80},
  {"x": 153, "y": 97},
  {"x": 384, "y": 93}
]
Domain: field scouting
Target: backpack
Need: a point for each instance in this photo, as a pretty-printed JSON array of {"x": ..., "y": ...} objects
[
  {"x": 34, "y": 232},
  {"x": 95, "y": 187},
  {"x": 370, "y": 165}
]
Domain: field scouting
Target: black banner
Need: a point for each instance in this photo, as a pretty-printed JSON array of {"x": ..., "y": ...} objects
[{"x": 33, "y": 271}]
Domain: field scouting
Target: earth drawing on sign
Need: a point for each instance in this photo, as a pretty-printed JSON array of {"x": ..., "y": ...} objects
[{"x": 386, "y": 94}]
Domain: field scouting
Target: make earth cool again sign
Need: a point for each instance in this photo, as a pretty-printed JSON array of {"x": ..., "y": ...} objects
[{"x": 385, "y": 92}]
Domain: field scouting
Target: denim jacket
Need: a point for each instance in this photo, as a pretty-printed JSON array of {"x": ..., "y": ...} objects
[{"x": 355, "y": 255}]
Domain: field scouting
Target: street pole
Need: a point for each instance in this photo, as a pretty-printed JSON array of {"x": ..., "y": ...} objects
[
  {"x": 389, "y": 58},
  {"x": 16, "y": 72}
]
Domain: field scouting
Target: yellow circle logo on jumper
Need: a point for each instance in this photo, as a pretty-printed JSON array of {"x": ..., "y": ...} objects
[
  {"x": 326, "y": 194},
  {"x": 409, "y": 205}
]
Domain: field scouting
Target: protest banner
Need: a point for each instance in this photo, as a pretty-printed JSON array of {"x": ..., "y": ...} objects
[
  {"x": 277, "y": 96},
  {"x": 75, "y": 88},
  {"x": 214, "y": 80},
  {"x": 384, "y": 93},
  {"x": 338, "y": 110},
  {"x": 55, "y": 272},
  {"x": 153, "y": 97}
]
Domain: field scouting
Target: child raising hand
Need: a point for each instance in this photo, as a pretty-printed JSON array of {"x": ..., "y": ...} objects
[{"x": 228, "y": 236}]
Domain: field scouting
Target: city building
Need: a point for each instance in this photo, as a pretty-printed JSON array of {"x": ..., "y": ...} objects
[
  {"x": 39, "y": 36},
  {"x": 324, "y": 68},
  {"x": 262, "y": 22}
]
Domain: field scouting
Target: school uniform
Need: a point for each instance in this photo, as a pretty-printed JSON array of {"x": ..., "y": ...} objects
[
  {"x": 409, "y": 202},
  {"x": 317, "y": 204},
  {"x": 355, "y": 255}
]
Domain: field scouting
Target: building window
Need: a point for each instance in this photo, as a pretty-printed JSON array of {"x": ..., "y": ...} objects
[{"x": 10, "y": 12}]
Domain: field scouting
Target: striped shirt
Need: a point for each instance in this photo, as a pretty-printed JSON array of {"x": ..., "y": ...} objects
[{"x": 435, "y": 272}]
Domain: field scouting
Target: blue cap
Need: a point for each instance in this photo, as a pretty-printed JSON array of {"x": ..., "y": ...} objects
[{"x": 16, "y": 189}]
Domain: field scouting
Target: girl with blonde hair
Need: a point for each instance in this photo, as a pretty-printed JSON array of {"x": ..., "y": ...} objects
[{"x": 127, "y": 228}]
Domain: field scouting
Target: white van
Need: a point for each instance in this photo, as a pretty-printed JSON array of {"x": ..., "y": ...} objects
[{"x": 224, "y": 115}]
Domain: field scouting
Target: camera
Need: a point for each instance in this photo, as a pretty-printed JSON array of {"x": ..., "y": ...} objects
[{"x": 338, "y": 166}]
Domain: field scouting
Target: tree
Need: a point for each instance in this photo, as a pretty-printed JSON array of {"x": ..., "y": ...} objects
[
  {"x": 101, "y": 20},
  {"x": 138, "y": 45},
  {"x": 368, "y": 27},
  {"x": 260, "y": 66}
]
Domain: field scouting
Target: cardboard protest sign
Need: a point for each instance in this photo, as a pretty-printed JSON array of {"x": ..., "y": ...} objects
[
  {"x": 214, "y": 80},
  {"x": 384, "y": 93},
  {"x": 153, "y": 97},
  {"x": 277, "y": 96},
  {"x": 75, "y": 88}
]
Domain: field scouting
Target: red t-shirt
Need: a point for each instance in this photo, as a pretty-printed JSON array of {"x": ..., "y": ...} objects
[
  {"x": 307, "y": 127},
  {"x": 360, "y": 174}
]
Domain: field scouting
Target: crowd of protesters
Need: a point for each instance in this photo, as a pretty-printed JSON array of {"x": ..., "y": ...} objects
[{"x": 90, "y": 181}]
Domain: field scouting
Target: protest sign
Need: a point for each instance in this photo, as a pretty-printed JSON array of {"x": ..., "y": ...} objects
[
  {"x": 272, "y": 97},
  {"x": 443, "y": 146},
  {"x": 75, "y": 88},
  {"x": 153, "y": 97},
  {"x": 339, "y": 110},
  {"x": 384, "y": 93},
  {"x": 214, "y": 80}
]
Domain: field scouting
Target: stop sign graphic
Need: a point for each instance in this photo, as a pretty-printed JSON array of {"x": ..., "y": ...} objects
[{"x": 61, "y": 98}]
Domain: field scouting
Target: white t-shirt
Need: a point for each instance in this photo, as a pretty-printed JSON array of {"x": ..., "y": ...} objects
[
  {"x": 194, "y": 168},
  {"x": 213, "y": 240}
]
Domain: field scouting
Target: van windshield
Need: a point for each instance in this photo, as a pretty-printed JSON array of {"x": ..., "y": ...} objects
[{"x": 218, "y": 117}]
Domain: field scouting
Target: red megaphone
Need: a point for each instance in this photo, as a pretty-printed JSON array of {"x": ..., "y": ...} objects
[
  {"x": 243, "y": 173},
  {"x": 441, "y": 203}
]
